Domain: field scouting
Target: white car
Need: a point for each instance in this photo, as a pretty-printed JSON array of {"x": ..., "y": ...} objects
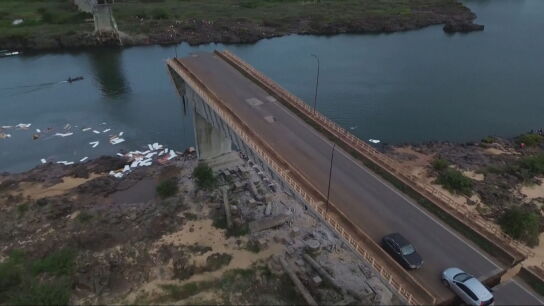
[{"x": 467, "y": 287}]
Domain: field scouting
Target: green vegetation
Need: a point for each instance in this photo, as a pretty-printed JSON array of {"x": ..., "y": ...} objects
[
  {"x": 240, "y": 282},
  {"x": 440, "y": 164},
  {"x": 220, "y": 221},
  {"x": 45, "y": 281},
  {"x": 454, "y": 181},
  {"x": 521, "y": 225},
  {"x": 22, "y": 209},
  {"x": 525, "y": 168},
  {"x": 167, "y": 188},
  {"x": 204, "y": 176},
  {"x": 253, "y": 246},
  {"x": 530, "y": 140},
  {"x": 217, "y": 261},
  {"x": 488, "y": 139},
  {"x": 176, "y": 293},
  {"x": 84, "y": 217},
  {"x": 55, "y": 17},
  {"x": 57, "y": 263}
]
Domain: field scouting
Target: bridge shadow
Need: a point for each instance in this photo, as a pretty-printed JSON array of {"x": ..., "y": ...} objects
[{"x": 108, "y": 72}]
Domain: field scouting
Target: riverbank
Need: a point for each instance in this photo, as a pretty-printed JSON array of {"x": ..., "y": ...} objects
[
  {"x": 61, "y": 26},
  {"x": 77, "y": 234},
  {"x": 499, "y": 181}
]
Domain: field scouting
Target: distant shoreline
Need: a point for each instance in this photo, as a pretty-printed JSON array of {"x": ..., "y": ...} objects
[{"x": 172, "y": 29}]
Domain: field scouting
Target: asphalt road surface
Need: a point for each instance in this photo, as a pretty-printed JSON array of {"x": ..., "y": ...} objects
[
  {"x": 511, "y": 293},
  {"x": 369, "y": 202}
]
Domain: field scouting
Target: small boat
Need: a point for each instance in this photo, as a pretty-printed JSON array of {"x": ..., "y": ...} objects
[{"x": 71, "y": 80}]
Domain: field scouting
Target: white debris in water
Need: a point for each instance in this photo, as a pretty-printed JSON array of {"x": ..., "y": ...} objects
[
  {"x": 120, "y": 155},
  {"x": 7, "y": 126},
  {"x": 94, "y": 143},
  {"x": 17, "y": 22},
  {"x": 121, "y": 134},
  {"x": 115, "y": 140},
  {"x": 43, "y": 160},
  {"x": 172, "y": 155},
  {"x": 38, "y": 131},
  {"x": 106, "y": 130},
  {"x": 374, "y": 140},
  {"x": 83, "y": 159},
  {"x": 66, "y": 163},
  {"x": 24, "y": 125},
  {"x": 64, "y": 134},
  {"x": 96, "y": 132},
  {"x": 86, "y": 129}
]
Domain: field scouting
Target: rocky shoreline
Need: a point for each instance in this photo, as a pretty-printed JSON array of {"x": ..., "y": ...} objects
[{"x": 197, "y": 32}]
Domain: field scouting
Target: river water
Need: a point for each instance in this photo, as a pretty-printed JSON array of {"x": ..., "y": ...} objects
[{"x": 403, "y": 87}]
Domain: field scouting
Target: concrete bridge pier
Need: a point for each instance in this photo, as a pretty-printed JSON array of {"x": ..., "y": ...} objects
[{"x": 210, "y": 142}]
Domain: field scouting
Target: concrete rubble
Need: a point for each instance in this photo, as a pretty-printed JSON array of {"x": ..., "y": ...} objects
[{"x": 312, "y": 251}]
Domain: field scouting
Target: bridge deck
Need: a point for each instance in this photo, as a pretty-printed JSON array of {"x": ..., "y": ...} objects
[{"x": 370, "y": 203}]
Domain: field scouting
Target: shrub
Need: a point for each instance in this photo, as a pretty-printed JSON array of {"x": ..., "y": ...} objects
[
  {"x": 204, "y": 176},
  {"x": 84, "y": 217},
  {"x": 533, "y": 164},
  {"x": 440, "y": 164},
  {"x": 54, "y": 292},
  {"x": 249, "y": 4},
  {"x": 167, "y": 188},
  {"x": 530, "y": 140},
  {"x": 60, "y": 262},
  {"x": 159, "y": 13},
  {"x": 488, "y": 139},
  {"x": 454, "y": 181},
  {"x": 521, "y": 225}
]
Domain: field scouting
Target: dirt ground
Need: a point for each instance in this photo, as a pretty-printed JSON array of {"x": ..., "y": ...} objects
[
  {"x": 493, "y": 191},
  {"x": 133, "y": 246}
]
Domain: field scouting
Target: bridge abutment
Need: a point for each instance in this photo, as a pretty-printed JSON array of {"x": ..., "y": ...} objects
[{"x": 210, "y": 142}]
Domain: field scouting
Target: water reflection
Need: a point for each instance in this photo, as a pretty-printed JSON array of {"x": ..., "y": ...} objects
[{"x": 108, "y": 72}]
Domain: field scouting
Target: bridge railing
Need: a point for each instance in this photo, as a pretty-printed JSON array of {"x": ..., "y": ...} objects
[
  {"x": 239, "y": 128},
  {"x": 389, "y": 164}
]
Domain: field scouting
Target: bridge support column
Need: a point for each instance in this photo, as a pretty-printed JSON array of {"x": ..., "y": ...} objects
[{"x": 210, "y": 142}]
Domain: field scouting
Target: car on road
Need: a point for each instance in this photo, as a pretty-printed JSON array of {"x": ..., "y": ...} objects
[
  {"x": 402, "y": 251},
  {"x": 467, "y": 287}
]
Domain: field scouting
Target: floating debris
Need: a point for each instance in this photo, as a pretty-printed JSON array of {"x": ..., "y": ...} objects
[
  {"x": 374, "y": 140},
  {"x": 106, "y": 130},
  {"x": 5, "y": 127},
  {"x": 38, "y": 131},
  {"x": 352, "y": 127},
  {"x": 4, "y": 136},
  {"x": 64, "y": 134},
  {"x": 83, "y": 159},
  {"x": 121, "y": 134},
  {"x": 23, "y": 126},
  {"x": 43, "y": 160},
  {"x": 115, "y": 140},
  {"x": 86, "y": 129},
  {"x": 66, "y": 163},
  {"x": 96, "y": 132},
  {"x": 94, "y": 143}
]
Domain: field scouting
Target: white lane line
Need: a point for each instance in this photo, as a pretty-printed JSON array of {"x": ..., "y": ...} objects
[
  {"x": 527, "y": 291},
  {"x": 466, "y": 242}
]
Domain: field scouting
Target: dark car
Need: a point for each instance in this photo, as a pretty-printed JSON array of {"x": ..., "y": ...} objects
[{"x": 402, "y": 250}]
